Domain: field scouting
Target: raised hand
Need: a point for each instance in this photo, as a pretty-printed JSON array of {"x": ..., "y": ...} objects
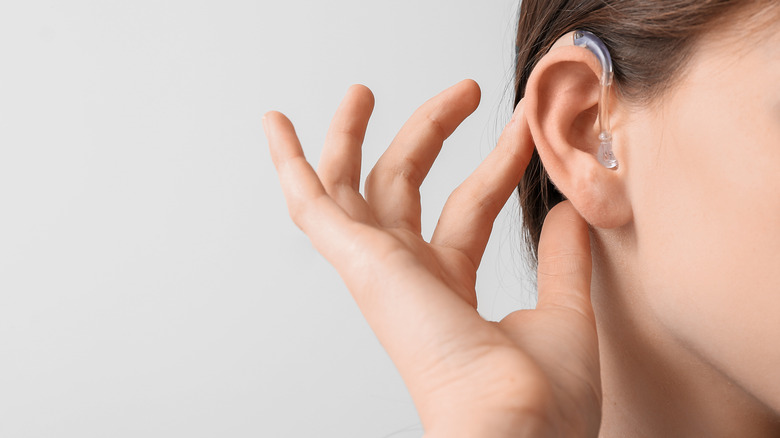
[{"x": 535, "y": 373}]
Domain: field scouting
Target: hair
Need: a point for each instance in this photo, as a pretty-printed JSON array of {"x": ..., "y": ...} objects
[{"x": 649, "y": 41}]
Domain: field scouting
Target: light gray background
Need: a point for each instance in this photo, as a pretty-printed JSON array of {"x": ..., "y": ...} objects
[{"x": 151, "y": 283}]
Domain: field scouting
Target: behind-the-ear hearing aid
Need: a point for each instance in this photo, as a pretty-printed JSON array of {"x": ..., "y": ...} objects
[{"x": 583, "y": 38}]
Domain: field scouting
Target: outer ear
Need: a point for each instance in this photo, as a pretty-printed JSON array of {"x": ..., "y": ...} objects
[{"x": 561, "y": 106}]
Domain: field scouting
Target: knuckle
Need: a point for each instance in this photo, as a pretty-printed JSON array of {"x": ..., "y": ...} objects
[
  {"x": 454, "y": 197},
  {"x": 296, "y": 211},
  {"x": 560, "y": 264},
  {"x": 484, "y": 200},
  {"x": 348, "y": 132},
  {"x": 436, "y": 126},
  {"x": 335, "y": 183},
  {"x": 301, "y": 210},
  {"x": 476, "y": 196},
  {"x": 407, "y": 169}
]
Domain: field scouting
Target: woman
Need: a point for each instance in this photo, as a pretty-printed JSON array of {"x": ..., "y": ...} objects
[{"x": 657, "y": 296}]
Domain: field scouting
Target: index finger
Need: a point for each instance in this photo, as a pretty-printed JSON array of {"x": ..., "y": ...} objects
[{"x": 468, "y": 215}]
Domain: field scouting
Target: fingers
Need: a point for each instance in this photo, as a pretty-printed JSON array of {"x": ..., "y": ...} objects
[
  {"x": 404, "y": 303},
  {"x": 467, "y": 218},
  {"x": 340, "y": 160},
  {"x": 309, "y": 205},
  {"x": 392, "y": 187},
  {"x": 339, "y": 168},
  {"x": 564, "y": 271}
]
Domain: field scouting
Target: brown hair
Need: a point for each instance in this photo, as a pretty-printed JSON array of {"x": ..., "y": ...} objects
[{"x": 649, "y": 41}]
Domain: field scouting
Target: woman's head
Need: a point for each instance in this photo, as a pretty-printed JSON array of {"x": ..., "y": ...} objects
[
  {"x": 687, "y": 230},
  {"x": 650, "y": 43}
]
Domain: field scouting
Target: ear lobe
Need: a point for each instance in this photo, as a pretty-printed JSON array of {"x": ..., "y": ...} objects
[{"x": 561, "y": 106}]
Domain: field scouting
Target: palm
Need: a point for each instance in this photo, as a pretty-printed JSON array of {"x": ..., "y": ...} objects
[
  {"x": 419, "y": 297},
  {"x": 508, "y": 360},
  {"x": 450, "y": 266}
]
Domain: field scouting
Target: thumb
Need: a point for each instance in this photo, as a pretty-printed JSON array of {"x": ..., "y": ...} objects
[{"x": 564, "y": 272}]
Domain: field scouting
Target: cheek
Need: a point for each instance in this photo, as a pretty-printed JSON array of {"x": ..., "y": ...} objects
[{"x": 708, "y": 233}]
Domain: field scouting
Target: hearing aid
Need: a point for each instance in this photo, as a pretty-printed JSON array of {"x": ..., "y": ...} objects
[{"x": 583, "y": 38}]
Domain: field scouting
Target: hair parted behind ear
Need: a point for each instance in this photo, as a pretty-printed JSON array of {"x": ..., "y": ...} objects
[{"x": 649, "y": 41}]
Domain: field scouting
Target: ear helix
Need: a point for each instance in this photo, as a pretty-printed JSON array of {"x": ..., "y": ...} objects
[{"x": 583, "y": 38}]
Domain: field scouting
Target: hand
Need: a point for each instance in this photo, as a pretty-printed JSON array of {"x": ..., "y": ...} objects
[{"x": 536, "y": 372}]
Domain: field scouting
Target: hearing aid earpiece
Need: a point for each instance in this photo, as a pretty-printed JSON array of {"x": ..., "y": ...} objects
[{"x": 583, "y": 38}]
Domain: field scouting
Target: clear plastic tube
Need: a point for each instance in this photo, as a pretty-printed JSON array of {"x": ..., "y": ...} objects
[{"x": 583, "y": 38}]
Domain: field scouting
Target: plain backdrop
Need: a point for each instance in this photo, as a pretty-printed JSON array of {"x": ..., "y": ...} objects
[{"x": 151, "y": 282}]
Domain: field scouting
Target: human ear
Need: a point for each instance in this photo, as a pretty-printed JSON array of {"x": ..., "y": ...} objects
[{"x": 561, "y": 107}]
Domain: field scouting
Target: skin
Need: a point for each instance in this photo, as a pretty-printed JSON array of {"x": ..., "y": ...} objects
[
  {"x": 690, "y": 283},
  {"x": 681, "y": 337},
  {"x": 684, "y": 233},
  {"x": 468, "y": 377}
]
